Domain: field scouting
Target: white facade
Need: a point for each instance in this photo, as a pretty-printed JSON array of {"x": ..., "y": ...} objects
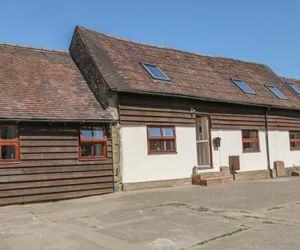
[
  {"x": 138, "y": 166},
  {"x": 231, "y": 144},
  {"x": 280, "y": 149}
]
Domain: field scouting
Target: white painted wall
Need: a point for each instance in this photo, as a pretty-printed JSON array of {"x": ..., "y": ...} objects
[
  {"x": 280, "y": 149},
  {"x": 138, "y": 166},
  {"x": 231, "y": 144}
]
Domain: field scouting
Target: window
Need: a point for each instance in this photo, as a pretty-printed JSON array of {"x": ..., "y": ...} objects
[
  {"x": 243, "y": 86},
  {"x": 295, "y": 140},
  {"x": 92, "y": 143},
  {"x": 155, "y": 72},
  {"x": 250, "y": 141},
  {"x": 9, "y": 143},
  {"x": 161, "y": 140},
  {"x": 294, "y": 87},
  {"x": 277, "y": 92}
]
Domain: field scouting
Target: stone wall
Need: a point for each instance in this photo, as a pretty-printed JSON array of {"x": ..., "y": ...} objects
[{"x": 107, "y": 98}]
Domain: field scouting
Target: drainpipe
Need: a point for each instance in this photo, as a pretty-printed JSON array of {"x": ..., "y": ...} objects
[{"x": 267, "y": 142}]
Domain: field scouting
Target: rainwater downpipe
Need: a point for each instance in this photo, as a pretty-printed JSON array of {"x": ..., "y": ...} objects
[{"x": 267, "y": 142}]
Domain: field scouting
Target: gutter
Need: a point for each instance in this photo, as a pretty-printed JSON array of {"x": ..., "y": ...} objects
[
  {"x": 54, "y": 120},
  {"x": 267, "y": 142}
]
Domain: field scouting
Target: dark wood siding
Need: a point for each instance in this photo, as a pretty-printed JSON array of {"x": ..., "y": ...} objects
[
  {"x": 49, "y": 168},
  {"x": 154, "y": 110}
]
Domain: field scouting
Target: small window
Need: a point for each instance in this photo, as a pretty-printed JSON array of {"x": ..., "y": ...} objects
[
  {"x": 243, "y": 86},
  {"x": 295, "y": 140},
  {"x": 93, "y": 143},
  {"x": 277, "y": 92},
  {"x": 9, "y": 143},
  {"x": 294, "y": 87},
  {"x": 161, "y": 140},
  {"x": 155, "y": 72},
  {"x": 250, "y": 141}
]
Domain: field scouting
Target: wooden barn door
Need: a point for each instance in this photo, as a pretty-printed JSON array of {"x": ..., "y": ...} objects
[{"x": 203, "y": 141}]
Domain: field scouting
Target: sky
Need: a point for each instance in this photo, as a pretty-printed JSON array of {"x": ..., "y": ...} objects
[{"x": 252, "y": 30}]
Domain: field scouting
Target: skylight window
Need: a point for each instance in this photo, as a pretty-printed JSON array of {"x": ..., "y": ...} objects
[
  {"x": 243, "y": 86},
  {"x": 294, "y": 87},
  {"x": 277, "y": 92},
  {"x": 155, "y": 72}
]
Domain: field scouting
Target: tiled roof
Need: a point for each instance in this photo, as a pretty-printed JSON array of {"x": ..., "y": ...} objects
[
  {"x": 191, "y": 74},
  {"x": 38, "y": 84}
]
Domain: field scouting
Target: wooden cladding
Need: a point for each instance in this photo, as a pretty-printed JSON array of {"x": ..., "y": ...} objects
[
  {"x": 154, "y": 110},
  {"x": 49, "y": 168},
  {"x": 130, "y": 115}
]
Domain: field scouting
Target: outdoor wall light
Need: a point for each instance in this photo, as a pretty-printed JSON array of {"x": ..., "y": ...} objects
[{"x": 217, "y": 142}]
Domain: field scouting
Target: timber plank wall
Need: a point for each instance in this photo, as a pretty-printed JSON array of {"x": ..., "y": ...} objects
[
  {"x": 155, "y": 110},
  {"x": 49, "y": 168}
]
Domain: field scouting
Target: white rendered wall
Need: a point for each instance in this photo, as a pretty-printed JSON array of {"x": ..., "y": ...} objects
[
  {"x": 280, "y": 149},
  {"x": 231, "y": 144},
  {"x": 138, "y": 166}
]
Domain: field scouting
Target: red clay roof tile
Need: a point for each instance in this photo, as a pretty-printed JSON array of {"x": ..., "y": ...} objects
[
  {"x": 38, "y": 84},
  {"x": 191, "y": 74}
]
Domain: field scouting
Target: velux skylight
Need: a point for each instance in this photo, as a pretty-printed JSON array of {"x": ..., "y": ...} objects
[
  {"x": 155, "y": 71},
  {"x": 243, "y": 86},
  {"x": 277, "y": 92},
  {"x": 294, "y": 87}
]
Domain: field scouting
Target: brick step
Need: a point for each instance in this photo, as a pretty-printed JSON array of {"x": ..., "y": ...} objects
[
  {"x": 296, "y": 173},
  {"x": 213, "y": 182},
  {"x": 212, "y": 175}
]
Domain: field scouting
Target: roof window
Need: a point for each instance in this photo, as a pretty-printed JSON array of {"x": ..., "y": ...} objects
[
  {"x": 244, "y": 87},
  {"x": 294, "y": 87},
  {"x": 277, "y": 92},
  {"x": 155, "y": 71}
]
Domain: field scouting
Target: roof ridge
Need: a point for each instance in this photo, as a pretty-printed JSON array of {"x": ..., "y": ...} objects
[
  {"x": 34, "y": 48},
  {"x": 168, "y": 48},
  {"x": 289, "y": 78}
]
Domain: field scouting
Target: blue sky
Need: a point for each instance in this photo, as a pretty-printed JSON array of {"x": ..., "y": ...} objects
[{"x": 254, "y": 30}]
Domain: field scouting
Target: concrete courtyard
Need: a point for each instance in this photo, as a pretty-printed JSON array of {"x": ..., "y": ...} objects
[{"x": 261, "y": 214}]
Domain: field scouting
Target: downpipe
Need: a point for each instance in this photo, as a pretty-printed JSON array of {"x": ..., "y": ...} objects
[{"x": 267, "y": 142}]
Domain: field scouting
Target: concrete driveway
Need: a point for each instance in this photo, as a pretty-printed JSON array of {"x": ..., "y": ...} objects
[{"x": 246, "y": 215}]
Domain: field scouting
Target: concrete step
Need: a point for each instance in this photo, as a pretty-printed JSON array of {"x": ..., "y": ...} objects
[{"x": 296, "y": 173}]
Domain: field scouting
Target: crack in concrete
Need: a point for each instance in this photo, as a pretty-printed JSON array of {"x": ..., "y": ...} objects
[{"x": 243, "y": 228}]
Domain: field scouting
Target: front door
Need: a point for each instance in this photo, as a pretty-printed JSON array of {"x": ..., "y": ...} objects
[{"x": 203, "y": 141}]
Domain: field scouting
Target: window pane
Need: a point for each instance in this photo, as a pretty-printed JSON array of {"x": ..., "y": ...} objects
[
  {"x": 249, "y": 134},
  {"x": 87, "y": 133},
  {"x": 155, "y": 71},
  {"x": 98, "y": 149},
  {"x": 8, "y": 152},
  {"x": 168, "y": 145},
  {"x": 243, "y": 86},
  {"x": 250, "y": 146},
  {"x": 277, "y": 92},
  {"x": 295, "y": 135},
  {"x": 167, "y": 132},
  {"x": 86, "y": 150},
  {"x": 98, "y": 133},
  {"x": 8, "y": 132},
  {"x": 155, "y": 145},
  {"x": 154, "y": 132},
  {"x": 294, "y": 87}
]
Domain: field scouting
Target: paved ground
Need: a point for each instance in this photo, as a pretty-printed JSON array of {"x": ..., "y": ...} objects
[{"x": 246, "y": 215}]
